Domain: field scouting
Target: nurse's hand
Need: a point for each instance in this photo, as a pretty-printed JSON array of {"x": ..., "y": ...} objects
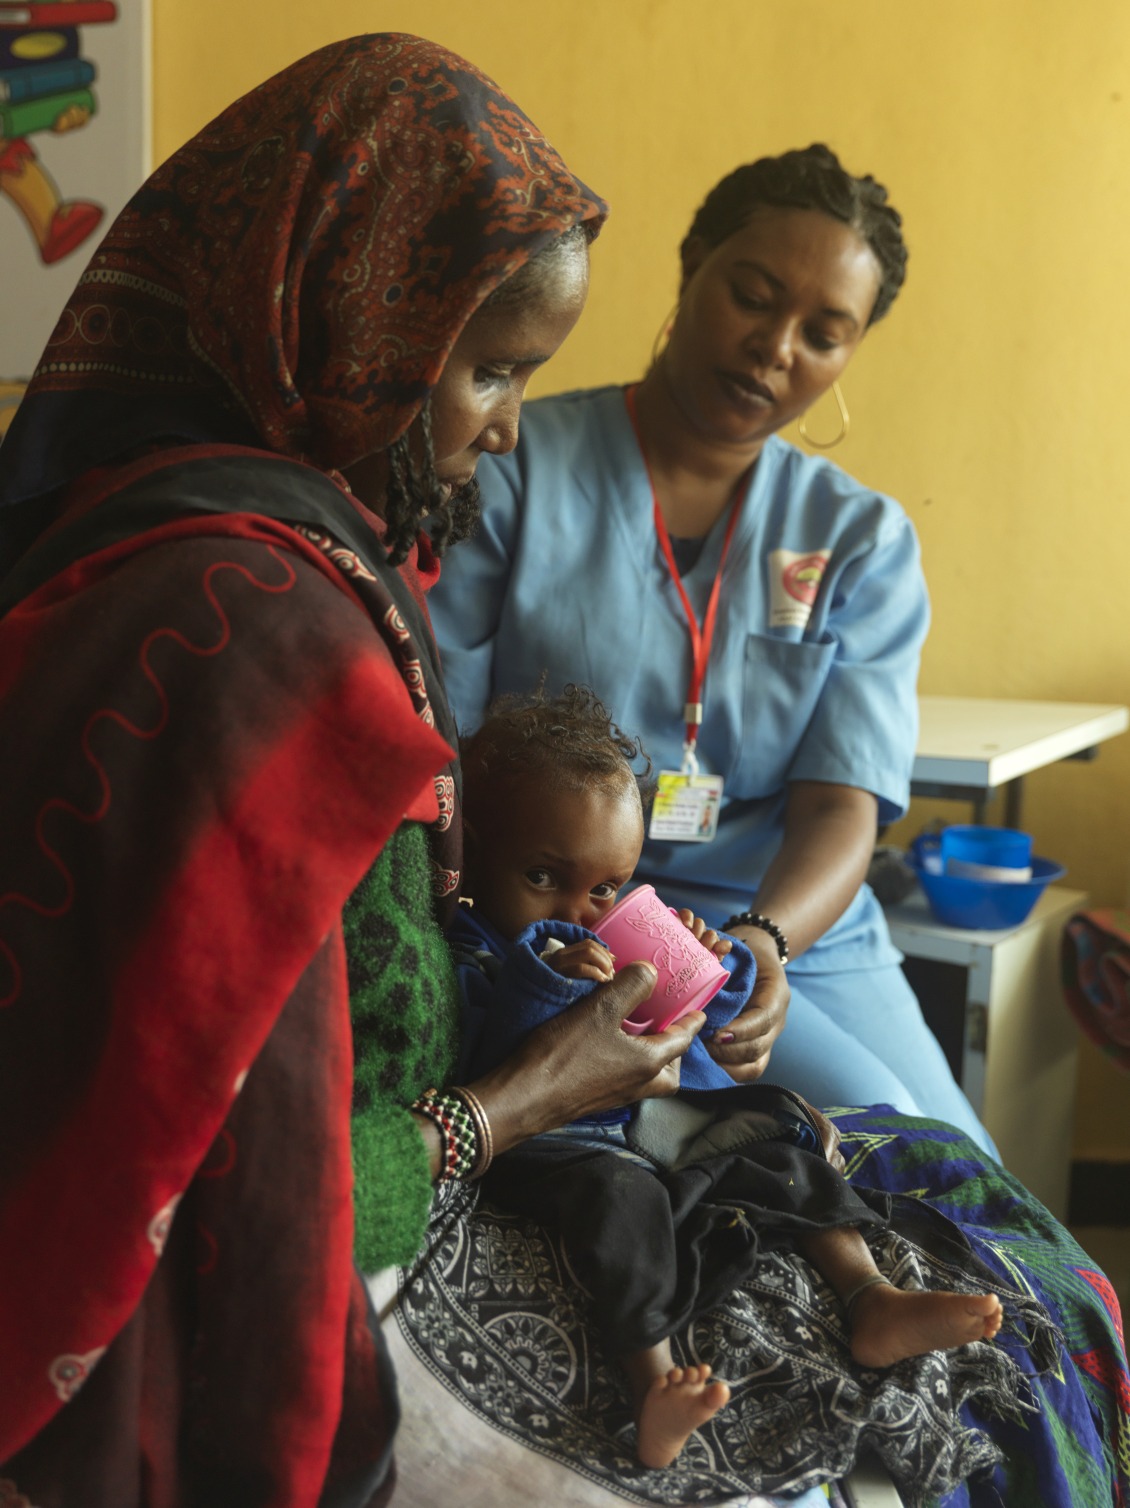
[{"x": 742, "y": 1047}]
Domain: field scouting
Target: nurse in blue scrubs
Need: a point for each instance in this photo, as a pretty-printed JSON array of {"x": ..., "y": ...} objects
[{"x": 752, "y": 612}]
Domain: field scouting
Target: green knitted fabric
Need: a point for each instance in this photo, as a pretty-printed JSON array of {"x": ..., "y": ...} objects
[{"x": 404, "y": 1004}]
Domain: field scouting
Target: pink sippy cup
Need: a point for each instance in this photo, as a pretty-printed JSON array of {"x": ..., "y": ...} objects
[{"x": 641, "y": 929}]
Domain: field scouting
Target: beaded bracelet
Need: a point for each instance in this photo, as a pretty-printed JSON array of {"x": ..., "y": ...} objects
[
  {"x": 482, "y": 1129},
  {"x": 755, "y": 919},
  {"x": 460, "y": 1152}
]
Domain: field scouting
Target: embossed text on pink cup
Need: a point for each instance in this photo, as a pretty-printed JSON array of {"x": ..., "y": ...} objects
[{"x": 640, "y": 928}]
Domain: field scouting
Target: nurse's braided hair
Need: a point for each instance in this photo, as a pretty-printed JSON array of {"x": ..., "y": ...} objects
[
  {"x": 569, "y": 742},
  {"x": 812, "y": 178}
]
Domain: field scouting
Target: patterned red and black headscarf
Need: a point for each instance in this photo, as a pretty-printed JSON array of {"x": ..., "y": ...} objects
[{"x": 295, "y": 276}]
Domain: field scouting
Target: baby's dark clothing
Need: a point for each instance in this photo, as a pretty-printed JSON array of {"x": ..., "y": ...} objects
[{"x": 654, "y": 1245}]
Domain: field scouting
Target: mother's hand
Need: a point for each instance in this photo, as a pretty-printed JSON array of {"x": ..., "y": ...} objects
[
  {"x": 583, "y": 1061},
  {"x": 742, "y": 1048}
]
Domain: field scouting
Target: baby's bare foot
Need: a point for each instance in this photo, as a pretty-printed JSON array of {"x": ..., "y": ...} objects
[
  {"x": 889, "y": 1324},
  {"x": 674, "y": 1407}
]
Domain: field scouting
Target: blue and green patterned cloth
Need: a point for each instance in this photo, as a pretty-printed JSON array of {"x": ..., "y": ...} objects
[{"x": 1075, "y": 1451}]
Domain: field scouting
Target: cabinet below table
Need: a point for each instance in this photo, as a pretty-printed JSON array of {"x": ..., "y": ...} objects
[{"x": 994, "y": 1001}]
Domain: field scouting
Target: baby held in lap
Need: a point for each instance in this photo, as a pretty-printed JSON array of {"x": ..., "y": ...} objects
[{"x": 554, "y": 828}]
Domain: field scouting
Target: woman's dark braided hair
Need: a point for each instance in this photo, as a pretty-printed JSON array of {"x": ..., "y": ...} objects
[
  {"x": 812, "y": 178},
  {"x": 414, "y": 492},
  {"x": 569, "y": 742}
]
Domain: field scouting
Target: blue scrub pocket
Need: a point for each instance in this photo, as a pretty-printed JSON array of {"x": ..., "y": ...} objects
[{"x": 782, "y": 682}]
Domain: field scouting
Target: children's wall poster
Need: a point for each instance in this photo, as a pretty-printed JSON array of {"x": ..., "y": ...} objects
[{"x": 74, "y": 146}]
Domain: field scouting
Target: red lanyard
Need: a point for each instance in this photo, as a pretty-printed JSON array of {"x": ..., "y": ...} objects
[{"x": 701, "y": 638}]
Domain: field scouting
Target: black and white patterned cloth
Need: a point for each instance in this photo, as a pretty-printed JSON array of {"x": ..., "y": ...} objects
[{"x": 493, "y": 1317}]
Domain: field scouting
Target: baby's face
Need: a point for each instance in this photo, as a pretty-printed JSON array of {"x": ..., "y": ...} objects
[{"x": 556, "y": 855}]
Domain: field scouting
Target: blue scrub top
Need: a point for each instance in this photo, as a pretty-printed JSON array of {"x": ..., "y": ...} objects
[{"x": 813, "y": 669}]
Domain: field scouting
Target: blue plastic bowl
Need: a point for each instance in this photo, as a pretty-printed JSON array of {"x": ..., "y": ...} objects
[
  {"x": 992, "y": 847},
  {"x": 986, "y": 905}
]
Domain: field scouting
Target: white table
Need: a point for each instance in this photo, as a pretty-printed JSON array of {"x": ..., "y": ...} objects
[
  {"x": 993, "y": 999},
  {"x": 970, "y": 746}
]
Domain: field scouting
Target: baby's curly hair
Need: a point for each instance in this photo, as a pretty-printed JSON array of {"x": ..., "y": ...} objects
[{"x": 569, "y": 741}]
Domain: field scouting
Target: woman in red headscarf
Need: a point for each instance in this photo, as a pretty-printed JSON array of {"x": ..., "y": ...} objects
[{"x": 230, "y": 810}]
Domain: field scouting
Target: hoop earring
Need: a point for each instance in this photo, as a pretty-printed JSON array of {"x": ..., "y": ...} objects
[
  {"x": 845, "y": 424},
  {"x": 663, "y": 334}
]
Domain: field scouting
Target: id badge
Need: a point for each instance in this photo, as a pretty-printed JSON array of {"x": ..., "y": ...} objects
[{"x": 686, "y": 807}]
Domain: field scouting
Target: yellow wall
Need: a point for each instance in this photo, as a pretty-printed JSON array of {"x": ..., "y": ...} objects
[{"x": 994, "y": 402}]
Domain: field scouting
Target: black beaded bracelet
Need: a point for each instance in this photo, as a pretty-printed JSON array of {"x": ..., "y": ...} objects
[
  {"x": 460, "y": 1150},
  {"x": 755, "y": 919}
]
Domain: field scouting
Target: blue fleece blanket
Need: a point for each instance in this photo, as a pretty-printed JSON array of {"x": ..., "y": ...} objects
[{"x": 508, "y": 991}]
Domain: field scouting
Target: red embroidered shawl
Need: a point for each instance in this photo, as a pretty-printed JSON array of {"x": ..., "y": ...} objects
[{"x": 209, "y": 738}]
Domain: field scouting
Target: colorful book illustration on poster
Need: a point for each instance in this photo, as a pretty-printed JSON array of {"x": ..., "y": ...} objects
[
  {"x": 45, "y": 86},
  {"x": 28, "y": 49},
  {"x": 29, "y": 116},
  {"x": 41, "y": 13},
  {"x": 38, "y": 80}
]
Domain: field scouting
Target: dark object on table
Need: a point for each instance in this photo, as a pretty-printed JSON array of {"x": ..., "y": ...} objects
[{"x": 890, "y": 874}]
